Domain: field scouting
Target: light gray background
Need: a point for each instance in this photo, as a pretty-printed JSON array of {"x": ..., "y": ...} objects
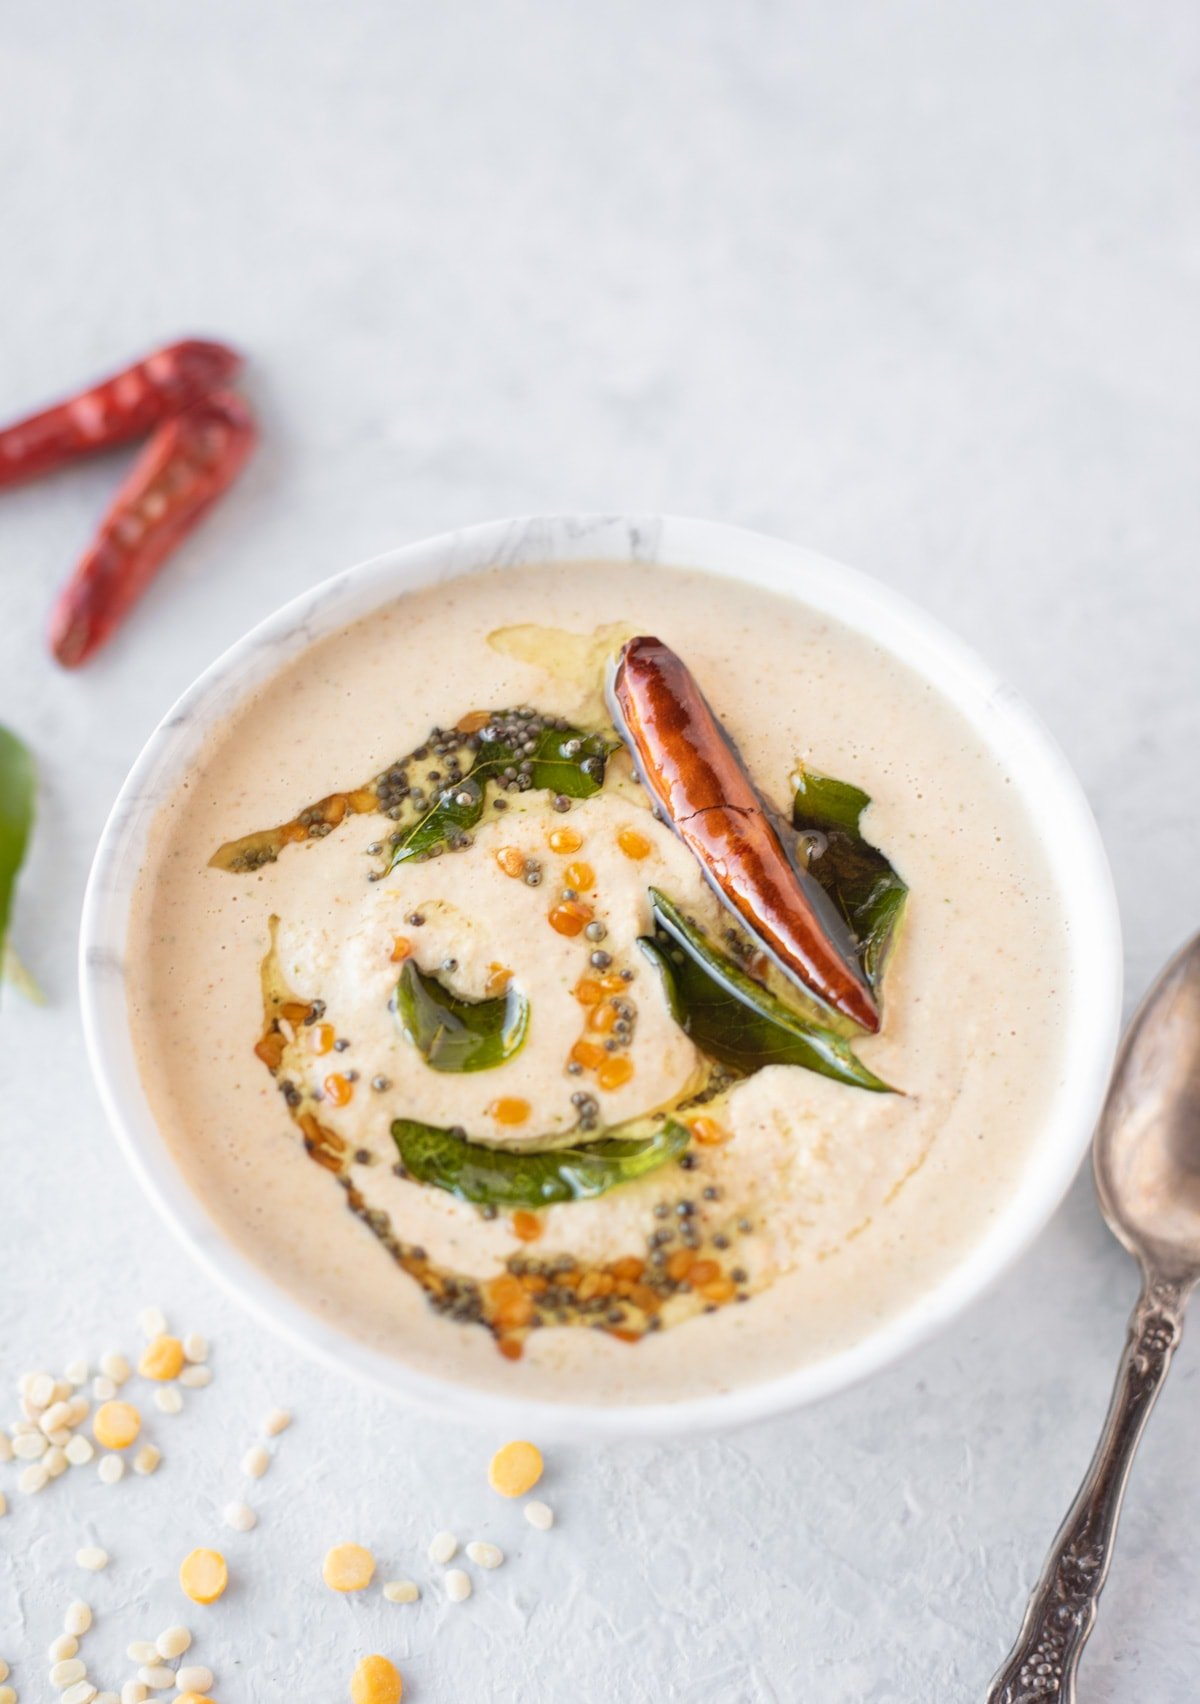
[{"x": 914, "y": 284}]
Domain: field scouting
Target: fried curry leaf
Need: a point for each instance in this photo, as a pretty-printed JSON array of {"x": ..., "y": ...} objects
[
  {"x": 564, "y": 760},
  {"x": 500, "y": 1177},
  {"x": 732, "y": 1018},
  {"x": 17, "y": 786},
  {"x": 455, "y": 1034},
  {"x": 859, "y": 880}
]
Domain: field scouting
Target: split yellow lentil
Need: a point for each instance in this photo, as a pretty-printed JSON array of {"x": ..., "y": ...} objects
[
  {"x": 709, "y": 1133},
  {"x": 509, "y": 1109},
  {"x": 162, "y": 1359},
  {"x": 588, "y": 1054},
  {"x": 204, "y": 1575},
  {"x": 526, "y": 1226},
  {"x": 348, "y": 1568},
  {"x": 615, "y": 1072},
  {"x": 571, "y": 917},
  {"x": 515, "y": 1468},
  {"x": 115, "y": 1425},
  {"x": 338, "y": 1089},
  {"x": 376, "y": 1681}
]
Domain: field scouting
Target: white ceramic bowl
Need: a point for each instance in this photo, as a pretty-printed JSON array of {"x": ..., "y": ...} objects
[{"x": 1072, "y": 846}]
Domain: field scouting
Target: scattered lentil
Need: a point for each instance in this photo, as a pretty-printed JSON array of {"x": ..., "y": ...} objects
[
  {"x": 152, "y": 1322},
  {"x": 376, "y": 1681},
  {"x": 539, "y": 1515},
  {"x": 401, "y": 1591},
  {"x": 255, "y": 1462},
  {"x": 157, "y": 1676},
  {"x": 240, "y": 1516},
  {"x": 204, "y": 1575},
  {"x": 193, "y": 1677},
  {"x": 458, "y": 1585},
  {"x": 172, "y": 1642},
  {"x": 348, "y": 1568},
  {"x": 442, "y": 1546},
  {"x": 78, "y": 1618},
  {"x": 92, "y": 1557},
  {"x": 115, "y": 1425},
  {"x": 515, "y": 1468},
  {"x": 40, "y": 1390}
]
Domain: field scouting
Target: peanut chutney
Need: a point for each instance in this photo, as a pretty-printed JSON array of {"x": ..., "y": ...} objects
[{"x": 478, "y": 1009}]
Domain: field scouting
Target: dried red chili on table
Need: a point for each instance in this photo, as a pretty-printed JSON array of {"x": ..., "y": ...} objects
[
  {"x": 187, "y": 465},
  {"x": 124, "y": 406}
]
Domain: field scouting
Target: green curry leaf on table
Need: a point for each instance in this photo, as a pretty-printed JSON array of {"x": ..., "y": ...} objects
[{"x": 17, "y": 788}]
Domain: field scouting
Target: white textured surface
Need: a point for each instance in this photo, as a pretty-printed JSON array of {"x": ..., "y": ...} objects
[{"x": 913, "y": 283}]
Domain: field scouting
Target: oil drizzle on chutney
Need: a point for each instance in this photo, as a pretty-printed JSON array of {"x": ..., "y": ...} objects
[{"x": 686, "y": 1269}]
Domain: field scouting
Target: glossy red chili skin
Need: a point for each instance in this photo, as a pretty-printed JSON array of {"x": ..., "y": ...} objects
[
  {"x": 187, "y": 465},
  {"x": 125, "y": 406},
  {"x": 690, "y": 765}
]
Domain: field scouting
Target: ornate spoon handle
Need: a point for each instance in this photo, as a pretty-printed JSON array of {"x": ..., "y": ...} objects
[{"x": 1040, "y": 1668}]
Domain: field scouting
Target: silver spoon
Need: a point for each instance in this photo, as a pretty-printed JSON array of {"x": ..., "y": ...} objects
[{"x": 1147, "y": 1160}]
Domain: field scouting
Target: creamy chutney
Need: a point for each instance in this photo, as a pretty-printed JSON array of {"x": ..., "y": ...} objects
[{"x": 426, "y": 1048}]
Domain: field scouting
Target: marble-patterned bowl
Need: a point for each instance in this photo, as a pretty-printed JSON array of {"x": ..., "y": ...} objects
[{"x": 1072, "y": 846}]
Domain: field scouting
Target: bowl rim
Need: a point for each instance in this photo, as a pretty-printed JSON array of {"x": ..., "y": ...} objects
[{"x": 1009, "y": 727}]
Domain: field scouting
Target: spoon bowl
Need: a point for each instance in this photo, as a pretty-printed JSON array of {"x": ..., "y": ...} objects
[{"x": 1147, "y": 1150}]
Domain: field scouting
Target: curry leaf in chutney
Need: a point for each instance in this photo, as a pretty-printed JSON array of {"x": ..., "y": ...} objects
[
  {"x": 857, "y": 877},
  {"x": 563, "y": 760},
  {"x": 455, "y": 810},
  {"x": 734, "y": 1019},
  {"x": 455, "y": 1034},
  {"x": 503, "y": 1177}
]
